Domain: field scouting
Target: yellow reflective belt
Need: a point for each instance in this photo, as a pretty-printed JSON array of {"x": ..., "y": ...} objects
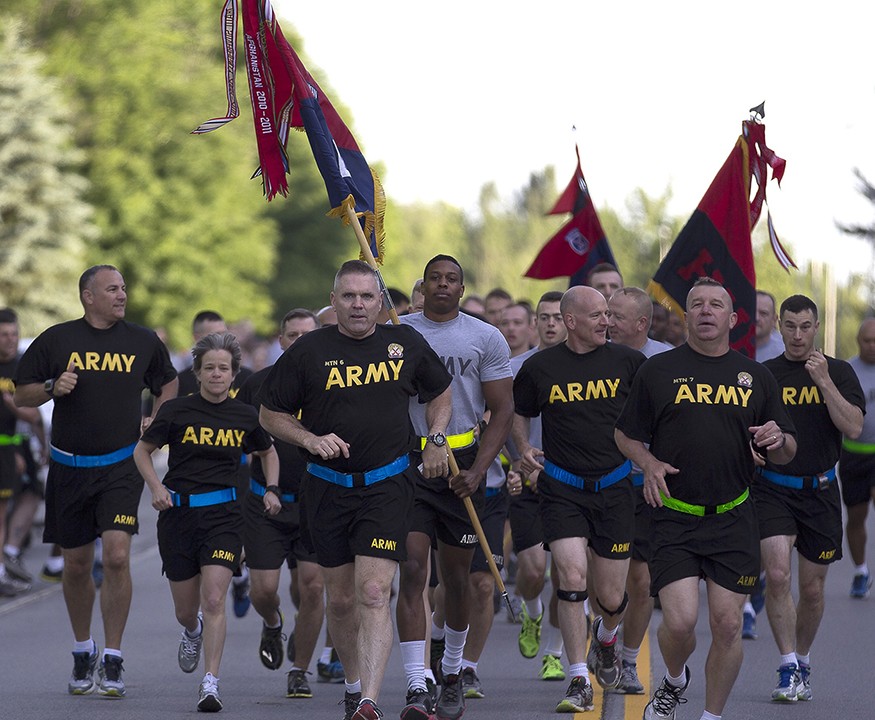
[
  {"x": 454, "y": 441},
  {"x": 700, "y": 510}
]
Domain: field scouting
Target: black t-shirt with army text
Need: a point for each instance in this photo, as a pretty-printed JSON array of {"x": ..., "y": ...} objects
[
  {"x": 8, "y": 419},
  {"x": 358, "y": 389},
  {"x": 579, "y": 396},
  {"x": 113, "y": 366},
  {"x": 695, "y": 411},
  {"x": 819, "y": 442},
  {"x": 293, "y": 460},
  {"x": 206, "y": 441}
]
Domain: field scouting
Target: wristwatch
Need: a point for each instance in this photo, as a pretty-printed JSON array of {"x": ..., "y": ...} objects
[
  {"x": 49, "y": 386},
  {"x": 275, "y": 489},
  {"x": 438, "y": 439}
]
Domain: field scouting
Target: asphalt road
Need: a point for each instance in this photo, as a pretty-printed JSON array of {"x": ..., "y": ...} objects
[{"x": 35, "y": 657}]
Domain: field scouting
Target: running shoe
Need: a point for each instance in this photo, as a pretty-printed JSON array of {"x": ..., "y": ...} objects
[
  {"x": 82, "y": 680},
  {"x": 803, "y": 688},
  {"x": 788, "y": 680},
  {"x": 15, "y": 568},
  {"x": 551, "y": 668},
  {"x": 330, "y": 672},
  {"x": 367, "y": 710},
  {"x": 271, "y": 648},
  {"x": 603, "y": 659},
  {"x": 471, "y": 685},
  {"x": 451, "y": 703},
  {"x": 297, "y": 685},
  {"x": 350, "y": 704},
  {"x": 208, "y": 699},
  {"x": 189, "y": 653},
  {"x": 578, "y": 697},
  {"x": 110, "y": 674},
  {"x": 749, "y": 626},
  {"x": 629, "y": 683},
  {"x": 240, "y": 592},
  {"x": 530, "y": 633},
  {"x": 666, "y": 699},
  {"x": 10, "y": 586},
  {"x": 420, "y": 705},
  {"x": 432, "y": 688},
  {"x": 435, "y": 657},
  {"x": 861, "y": 585},
  {"x": 51, "y": 576}
]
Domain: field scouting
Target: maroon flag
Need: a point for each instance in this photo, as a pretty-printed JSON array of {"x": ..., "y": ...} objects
[
  {"x": 715, "y": 242},
  {"x": 580, "y": 243}
]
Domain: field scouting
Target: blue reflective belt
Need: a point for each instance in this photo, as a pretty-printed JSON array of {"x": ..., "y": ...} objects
[
  {"x": 216, "y": 497},
  {"x": 638, "y": 479},
  {"x": 89, "y": 461},
  {"x": 368, "y": 477},
  {"x": 493, "y": 491},
  {"x": 798, "y": 482},
  {"x": 580, "y": 483},
  {"x": 259, "y": 490}
]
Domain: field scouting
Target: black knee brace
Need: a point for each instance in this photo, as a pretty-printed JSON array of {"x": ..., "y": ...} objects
[
  {"x": 572, "y": 595},
  {"x": 619, "y": 609}
]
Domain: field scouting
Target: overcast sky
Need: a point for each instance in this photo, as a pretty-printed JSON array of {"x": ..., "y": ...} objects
[{"x": 451, "y": 95}]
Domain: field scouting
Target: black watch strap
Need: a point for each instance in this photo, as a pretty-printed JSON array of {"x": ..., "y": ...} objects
[{"x": 275, "y": 489}]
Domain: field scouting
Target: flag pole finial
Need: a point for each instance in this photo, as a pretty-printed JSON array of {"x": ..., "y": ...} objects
[{"x": 758, "y": 112}]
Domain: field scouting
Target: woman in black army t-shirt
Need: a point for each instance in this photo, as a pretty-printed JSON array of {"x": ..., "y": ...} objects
[{"x": 200, "y": 525}]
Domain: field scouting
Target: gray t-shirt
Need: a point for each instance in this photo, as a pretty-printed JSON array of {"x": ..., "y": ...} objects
[
  {"x": 773, "y": 347},
  {"x": 474, "y": 352},
  {"x": 866, "y": 375},
  {"x": 534, "y": 423}
]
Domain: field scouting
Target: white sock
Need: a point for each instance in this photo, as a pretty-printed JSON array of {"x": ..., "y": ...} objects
[
  {"x": 748, "y": 609},
  {"x": 468, "y": 664},
  {"x": 325, "y": 657},
  {"x": 534, "y": 607},
  {"x": 861, "y": 569},
  {"x": 11, "y": 551},
  {"x": 413, "y": 657},
  {"x": 355, "y": 687},
  {"x": 55, "y": 563},
  {"x": 555, "y": 645},
  {"x": 578, "y": 670},
  {"x": 605, "y": 636},
  {"x": 198, "y": 631},
  {"x": 709, "y": 716},
  {"x": 677, "y": 682},
  {"x": 455, "y": 646},
  {"x": 85, "y": 646},
  {"x": 789, "y": 659},
  {"x": 803, "y": 660},
  {"x": 112, "y": 652},
  {"x": 630, "y": 655}
]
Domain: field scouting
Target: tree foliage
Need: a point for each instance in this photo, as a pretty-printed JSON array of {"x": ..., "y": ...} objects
[{"x": 44, "y": 221}]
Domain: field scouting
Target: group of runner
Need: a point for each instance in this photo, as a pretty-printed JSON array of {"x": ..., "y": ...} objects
[{"x": 627, "y": 469}]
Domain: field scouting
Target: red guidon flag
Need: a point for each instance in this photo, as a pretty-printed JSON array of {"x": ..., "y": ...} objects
[
  {"x": 580, "y": 244},
  {"x": 716, "y": 243}
]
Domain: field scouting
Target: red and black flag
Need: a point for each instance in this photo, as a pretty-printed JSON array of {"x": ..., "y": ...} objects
[
  {"x": 285, "y": 95},
  {"x": 580, "y": 244},
  {"x": 715, "y": 242}
]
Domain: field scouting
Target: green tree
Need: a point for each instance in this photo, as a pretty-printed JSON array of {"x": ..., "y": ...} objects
[{"x": 44, "y": 221}]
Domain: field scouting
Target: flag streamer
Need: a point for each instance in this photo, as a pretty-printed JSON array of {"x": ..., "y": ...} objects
[{"x": 284, "y": 95}]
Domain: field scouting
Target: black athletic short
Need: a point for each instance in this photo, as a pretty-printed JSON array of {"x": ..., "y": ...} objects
[
  {"x": 189, "y": 538},
  {"x": 439, "y": 512},
  {"x": 371, "y": 521},
  {"x": 492, "y": 520},
  {"x": 641, "y": 545},
  {"x": 525, "y": 520},
  {"x": 9, "y": 479},
  {"x": 605, "y": 518},
  {"x": 83, "y": 503},
  {"x": 271, "y": 540},
  {"x": 813, "y": 516},
  {"x": 724, "y": 548},
  {"x": 857, "y": 477}
]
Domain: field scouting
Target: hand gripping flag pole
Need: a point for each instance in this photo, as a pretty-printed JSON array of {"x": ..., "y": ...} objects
[{"x": 454, "y": 466}]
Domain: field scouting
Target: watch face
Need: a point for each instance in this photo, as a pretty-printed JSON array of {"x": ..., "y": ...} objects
[{"x": 439, "y": 439}]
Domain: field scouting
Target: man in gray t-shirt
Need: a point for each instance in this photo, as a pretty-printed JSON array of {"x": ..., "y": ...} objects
[{"x": 478, "y": 358}]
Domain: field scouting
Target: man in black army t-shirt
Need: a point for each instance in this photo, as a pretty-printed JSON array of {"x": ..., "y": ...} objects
[
  {"x": 799, "y": 504},
  {"x": 95, "y": 369},
  {"x": 701, "y": 407},
  {"x": 578, "y": 387},
  {"x": 352, "y": 384}
]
